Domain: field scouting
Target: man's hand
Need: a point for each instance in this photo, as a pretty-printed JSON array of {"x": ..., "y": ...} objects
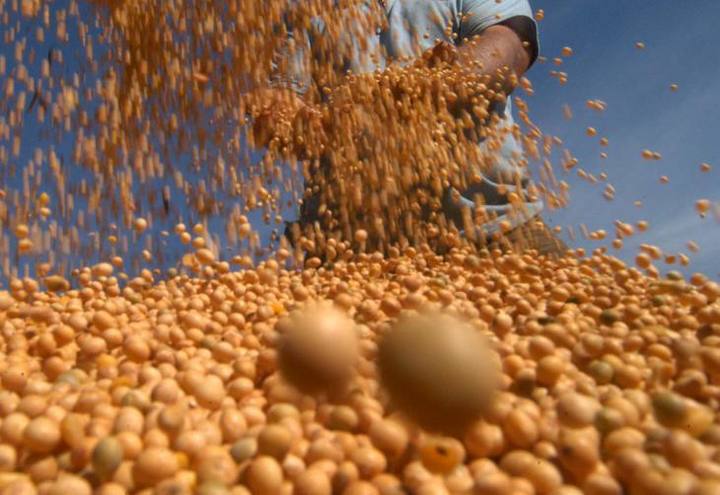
[
  {"x": 272, "y": 108},
  {"x": 443, "y": 53}
]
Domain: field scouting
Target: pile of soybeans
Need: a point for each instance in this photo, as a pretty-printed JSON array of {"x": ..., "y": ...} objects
[
  {"x": 361, "y": 360},
  {"x": 608, "y": 381}
]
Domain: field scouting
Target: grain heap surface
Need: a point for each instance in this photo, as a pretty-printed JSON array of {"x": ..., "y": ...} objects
[{"x": 608, "y": 380}]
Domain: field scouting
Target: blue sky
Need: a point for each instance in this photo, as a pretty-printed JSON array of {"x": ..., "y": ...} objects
[{"x": 642, "y": 112}]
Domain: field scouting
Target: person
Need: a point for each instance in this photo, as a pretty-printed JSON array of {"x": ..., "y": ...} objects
[{"x": 504, "y": 35}]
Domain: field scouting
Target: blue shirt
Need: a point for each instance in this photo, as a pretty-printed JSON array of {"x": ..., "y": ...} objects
[{"x": 413, "y": 27}]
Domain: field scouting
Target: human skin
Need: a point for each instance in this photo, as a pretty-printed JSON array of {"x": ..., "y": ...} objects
[{"x": 497, "y": 49}]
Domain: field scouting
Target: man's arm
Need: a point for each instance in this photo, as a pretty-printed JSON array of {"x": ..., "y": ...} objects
[
  {"x": 498, "y": 52},
  {"x": 497, "y": 39}
]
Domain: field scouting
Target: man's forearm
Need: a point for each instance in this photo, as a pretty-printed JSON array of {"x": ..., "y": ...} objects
[{"x": 499, "y": 54}]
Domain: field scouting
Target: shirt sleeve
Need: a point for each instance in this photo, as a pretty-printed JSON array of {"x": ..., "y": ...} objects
[{"x": 478, "y": 15}]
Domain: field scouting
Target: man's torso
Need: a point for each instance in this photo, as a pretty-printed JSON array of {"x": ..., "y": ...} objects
[{"x": 409, "y": 28}]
